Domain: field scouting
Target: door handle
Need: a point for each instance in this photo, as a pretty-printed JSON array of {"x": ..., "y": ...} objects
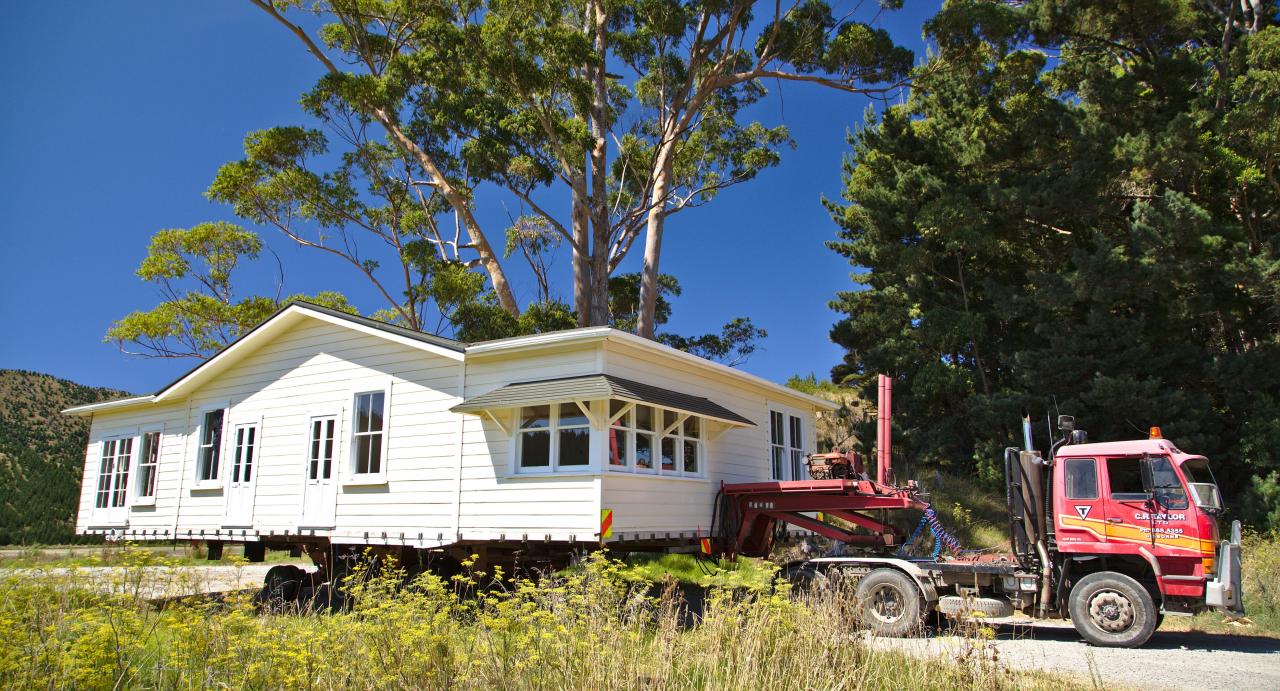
[{"x": 1115, "y": 520}]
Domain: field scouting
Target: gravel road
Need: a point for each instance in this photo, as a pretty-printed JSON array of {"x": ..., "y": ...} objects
[{"x": 1170, "y": 660}]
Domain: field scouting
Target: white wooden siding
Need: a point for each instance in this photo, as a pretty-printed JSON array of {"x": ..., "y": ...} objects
[
  {"x": 494, "y": 502},
  {"x": 448, "y": 476}
]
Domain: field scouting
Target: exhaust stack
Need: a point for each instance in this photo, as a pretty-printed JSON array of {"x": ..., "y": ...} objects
[
  {"x": 884, "y": 431},
  {"x": 1027, "y": 443}
]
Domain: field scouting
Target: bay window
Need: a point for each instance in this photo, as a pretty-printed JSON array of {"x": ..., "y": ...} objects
[
  {"x": 648, "y": 439},
  {"x": 553, "y": 437}
]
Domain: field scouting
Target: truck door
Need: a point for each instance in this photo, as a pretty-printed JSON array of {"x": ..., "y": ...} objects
[
  {"x": 1158, "y": 520},
  {"x": 1081, "y": 517},
  {"x": 1131, "y": 515}
]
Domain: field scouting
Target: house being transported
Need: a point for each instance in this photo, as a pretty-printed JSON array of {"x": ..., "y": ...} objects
[{"x": 321, "y": 430}]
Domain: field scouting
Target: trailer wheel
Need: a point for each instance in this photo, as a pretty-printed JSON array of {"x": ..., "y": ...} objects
[
  {"x": 805, "y": 578},
  {"x": 1112, "y": 610},
  {"x": 889, "y": 603}
]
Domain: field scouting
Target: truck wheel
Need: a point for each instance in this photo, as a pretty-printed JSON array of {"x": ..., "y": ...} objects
[
  {"x": 889, "y": 603},
  {"x": 805, "y": 578},
  {"x": 1112, "y": 610}
]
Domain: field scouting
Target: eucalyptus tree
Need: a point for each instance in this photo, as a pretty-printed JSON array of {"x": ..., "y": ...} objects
[
  {"x": 201, "y": 311},
  {"x": 603, "y": 118}
]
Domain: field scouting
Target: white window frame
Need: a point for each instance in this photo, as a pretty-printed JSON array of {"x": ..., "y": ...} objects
[
  {"x": 792, "y": 446},
  {"x": 660, "y": 432},
  {"x": 140, "y": 499},
  {"x": 349, "y": 475},
  {"x": 778, "y": 466},
  {"x": 795, "y": 450},
  {"x": 553, "y": 429},
  {"x": 214, "y": 482},
  {"x": 110, "y": 514}
]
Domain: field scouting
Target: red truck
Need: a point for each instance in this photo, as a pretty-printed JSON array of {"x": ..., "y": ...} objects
[{"x": 1112, "y": 535}]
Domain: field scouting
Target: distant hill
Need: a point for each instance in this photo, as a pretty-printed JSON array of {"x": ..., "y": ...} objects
[{"x": 41, "y": 455}]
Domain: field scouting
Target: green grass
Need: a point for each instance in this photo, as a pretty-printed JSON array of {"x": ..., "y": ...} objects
[{"x": 751, "y": 574}]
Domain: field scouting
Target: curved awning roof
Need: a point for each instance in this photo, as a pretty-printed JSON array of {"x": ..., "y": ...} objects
[{"x": 595, "y": 387}]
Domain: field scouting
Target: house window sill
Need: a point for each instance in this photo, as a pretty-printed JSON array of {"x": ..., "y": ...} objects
[
  {"x": 146, "y": 502},
  {"x": 552, "y": 475},
  {"x": 657, "y": 476},
  {"x": 206, "y": 486},
  {"x": 364, "y": 480}
]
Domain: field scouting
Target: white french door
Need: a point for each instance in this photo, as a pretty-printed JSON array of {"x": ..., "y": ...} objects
[
  {"x": 245, "y": 442},
  {"x": 319, "y": 492},
  {"x": 110, "y": 500}
]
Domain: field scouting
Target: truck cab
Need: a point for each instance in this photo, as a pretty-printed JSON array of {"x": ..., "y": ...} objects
[{"x": 1145, "y": 510}]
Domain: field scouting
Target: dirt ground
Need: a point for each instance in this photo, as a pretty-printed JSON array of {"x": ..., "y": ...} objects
[{"x": 1170, "y": 660}]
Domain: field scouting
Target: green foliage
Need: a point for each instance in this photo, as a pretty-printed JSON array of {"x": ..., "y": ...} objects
[
  {"x": 1093, "y": 233},
  {"x": 201, "y": 312},
  {"x": 589, "y": 628},
  {"x": 41, "y": 456},
  {"x": 735, "y": 343}
]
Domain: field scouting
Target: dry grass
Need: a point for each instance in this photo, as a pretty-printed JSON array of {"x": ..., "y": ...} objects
[{"x": 591, "y": 628}]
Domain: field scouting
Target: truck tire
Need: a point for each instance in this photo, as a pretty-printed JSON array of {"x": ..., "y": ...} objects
[
  {"x": 805, "y": 578},
  {"x": 1112, "y": 610},
  {"x": 890, "y": 603},
  {"x": 988, "y": 607}
]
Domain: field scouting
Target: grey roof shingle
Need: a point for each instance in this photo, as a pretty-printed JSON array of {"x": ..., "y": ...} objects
[{"x": 596, "y": 387}]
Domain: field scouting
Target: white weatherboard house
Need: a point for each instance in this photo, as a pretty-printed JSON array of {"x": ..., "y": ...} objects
[{"x": 325, "y": 427}]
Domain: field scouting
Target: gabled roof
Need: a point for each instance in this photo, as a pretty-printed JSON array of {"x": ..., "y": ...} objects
[
  {"x": 439, "y": 345},
  {"x": 596, "y": 387},
  {"x": 283, "y": 318}
]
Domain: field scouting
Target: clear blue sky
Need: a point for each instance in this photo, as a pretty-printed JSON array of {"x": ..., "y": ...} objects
[{"x": 116, "y": 116}]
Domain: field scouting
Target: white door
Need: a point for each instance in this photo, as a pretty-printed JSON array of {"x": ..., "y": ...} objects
[
  {"x": 244, "y": 474},
  {"x": 110, "y": 500},
  {"x": 319, "y": 493}
]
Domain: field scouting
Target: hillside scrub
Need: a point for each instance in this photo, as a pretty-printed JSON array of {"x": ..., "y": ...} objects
[{"x": 588, "y": 629}]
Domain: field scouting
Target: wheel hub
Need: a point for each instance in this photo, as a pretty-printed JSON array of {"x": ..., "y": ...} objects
[
  {"x": 887, "y": 604},
  {"x": 1111, "y": 611}
]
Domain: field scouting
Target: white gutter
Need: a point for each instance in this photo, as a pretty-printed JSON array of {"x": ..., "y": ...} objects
[{"x": 90, "y": 408}]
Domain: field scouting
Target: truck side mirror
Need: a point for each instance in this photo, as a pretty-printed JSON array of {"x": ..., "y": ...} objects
[
  {"x": 1066, "y": 423},
  {"x": 1148, "y": 477}
]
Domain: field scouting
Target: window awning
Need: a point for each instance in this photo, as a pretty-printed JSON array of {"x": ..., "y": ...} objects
[{"x": 596, "y": 387}]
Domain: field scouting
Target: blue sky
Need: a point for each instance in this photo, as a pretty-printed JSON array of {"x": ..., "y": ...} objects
[{"x": 117, "y": 115}]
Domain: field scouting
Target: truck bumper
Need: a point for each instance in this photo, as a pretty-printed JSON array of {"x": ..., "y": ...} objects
[{"x": 1224, "y": 592}]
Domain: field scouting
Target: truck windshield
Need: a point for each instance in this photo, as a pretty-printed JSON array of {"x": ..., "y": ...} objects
[
  {"x": 1203, "y": 486},
  {"x": 1168, "y": 489}
]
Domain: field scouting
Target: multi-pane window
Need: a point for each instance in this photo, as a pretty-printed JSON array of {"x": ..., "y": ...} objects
[
  {"x": 148, "y": 463},
  {"x": 777, "y": 444},
  {"x": 320, "y": 456},
  {"x": 797, "y": 452},
  {"x": 113, "y": 473},
  {"x": 370, "y": 426},
  {"x": 621, "y": 434},
  {"x": 554, "y": 436},
  {"x": 210, "y": 445},
  {"x": 242, "y": 462},
  {"x": 638, "y": 431},
  {"x": 575, "y": 435}
]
